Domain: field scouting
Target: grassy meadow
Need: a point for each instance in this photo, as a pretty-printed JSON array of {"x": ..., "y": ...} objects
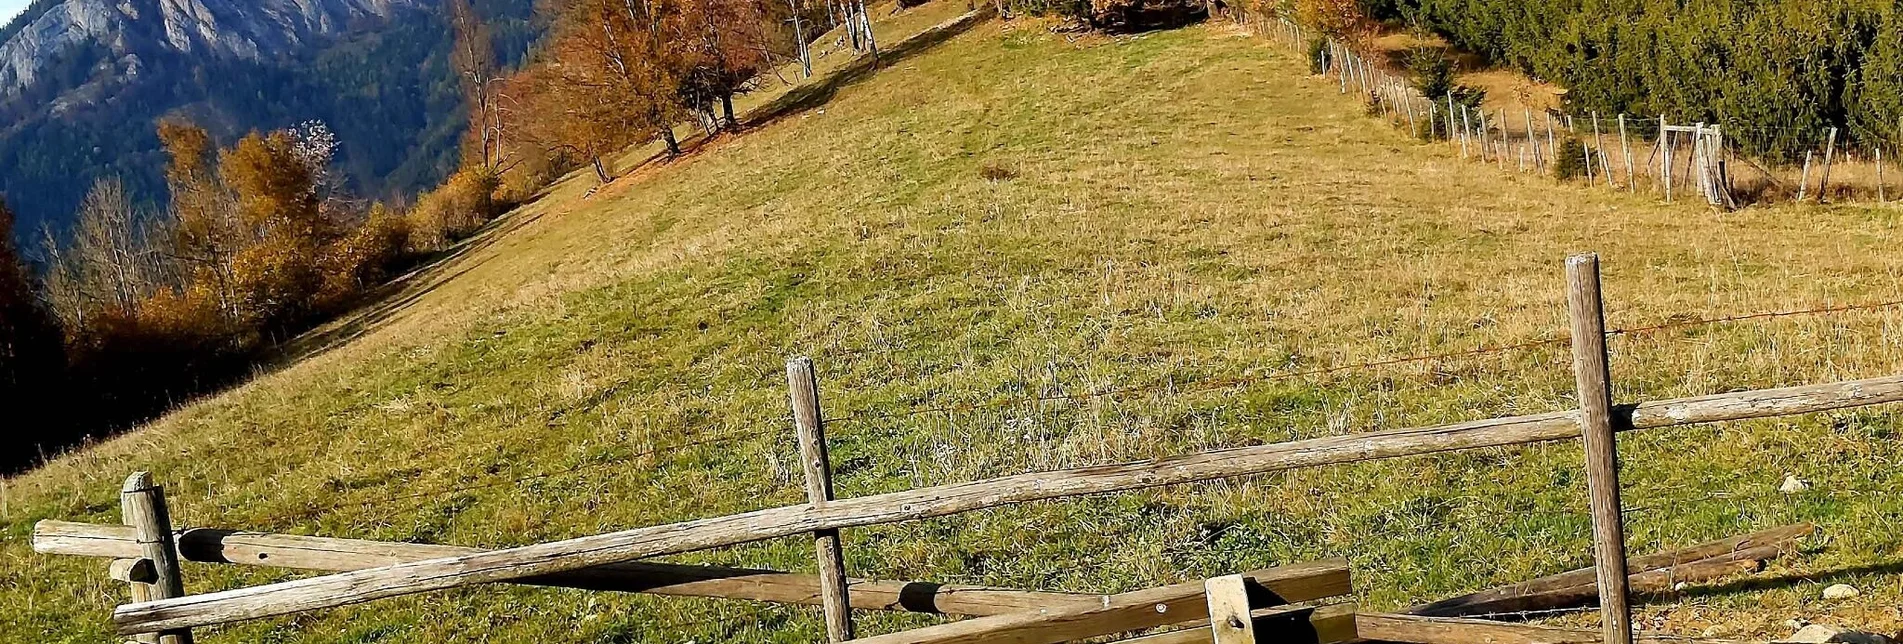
[{"x": 1012, "y": 215}]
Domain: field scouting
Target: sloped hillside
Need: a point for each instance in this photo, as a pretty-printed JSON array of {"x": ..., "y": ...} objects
[{"x": 1014, "y": 214}]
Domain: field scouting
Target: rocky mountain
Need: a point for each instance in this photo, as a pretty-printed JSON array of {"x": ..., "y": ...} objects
[
  {"x": 247, "y": 29},
  {"x": 83, "y": 83}
]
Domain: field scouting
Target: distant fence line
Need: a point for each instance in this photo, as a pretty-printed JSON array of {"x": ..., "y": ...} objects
[{"x": 1684, "y": 159}]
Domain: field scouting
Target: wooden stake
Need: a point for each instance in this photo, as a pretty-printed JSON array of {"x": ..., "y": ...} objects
[
  {"x": 1720, "y": 172},
  {"x": 803, "y": 386},
  {"x": 1413, "y": 127},
  {"x": 1584, "y": 150},
  {"x": 1505, "y": 148},
  {"x": 1665, "y": 158},
  {"x": 1466, "y": 126},
  {"x": 1229, "y": 616},
  {"x": 1599, "y": 143},
  {"x": 1830, "y": 153},
  {"x": 1803, "y": 179},
  {"x": 1592, "y": 379},
  {"x": 1450, "y": 121},
  {"x": 1625, "y": 146},
  {"x": 1341, "y": 71},
  {"x": 142, "y": 506},
  {"x": 1552, "y": 144},
  {"x": 1881, "y": 196}
]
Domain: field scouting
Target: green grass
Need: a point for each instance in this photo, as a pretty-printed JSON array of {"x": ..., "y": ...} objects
[{"x": 1185, "y": 207}]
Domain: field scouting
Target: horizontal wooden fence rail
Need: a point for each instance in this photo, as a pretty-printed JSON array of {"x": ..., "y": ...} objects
[
  {"x": 209, "y": 545},
  {"x": 1416, "y": 629},
  {"x": 1332, "y": 624},
  {"x": 1136, "y": 610},
  {"x": 598, "y": 550},
  {"x": 1701, "y": 562}
]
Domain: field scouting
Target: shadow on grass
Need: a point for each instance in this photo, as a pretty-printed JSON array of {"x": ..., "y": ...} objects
[
  {"x": 385, "y": 301},
  {"x": 1754, "y": 584}
]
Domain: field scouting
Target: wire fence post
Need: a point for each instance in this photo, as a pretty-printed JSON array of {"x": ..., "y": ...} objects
[
  {"x": 1593, "y": 386},
  {"x": 1803, "y": 178},
  {"x": 1830, "y": 154},
  {"x": 803, "y": 389},
  {"x": 142, "y": 506},
  {"x": 1625, "y": 148},
  {"x": 1665, "y": 158}
]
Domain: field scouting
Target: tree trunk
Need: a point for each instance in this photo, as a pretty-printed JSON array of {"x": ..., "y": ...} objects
[
  {"x": 726, "y": 103},
  {"x": 673, "y": 144},
  {"x": 601, "y": 170}
]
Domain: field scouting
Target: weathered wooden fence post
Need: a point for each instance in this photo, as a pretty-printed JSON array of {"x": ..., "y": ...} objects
[
  {"x": 1830, "y": 154},
  {"x": 1625, "y": 147},
  {"x": 1803, "y": 178},
  {"x": 1229, "y": 615},
  {"x": 1665, "y": 158},
  {"x": 142, "y": 506},
  {"x": 1599, "y": 143},
  {"x": 1593, "y": 384},
  {"x": 803, "y": 389}
]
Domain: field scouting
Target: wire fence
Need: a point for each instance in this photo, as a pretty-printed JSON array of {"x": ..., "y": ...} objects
[
  {"x": 1726, "y": 164},
  {"x": 1019, "y": 437}
]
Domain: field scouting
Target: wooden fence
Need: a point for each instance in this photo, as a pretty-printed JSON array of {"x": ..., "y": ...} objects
[{"x": 147, "y": 550}]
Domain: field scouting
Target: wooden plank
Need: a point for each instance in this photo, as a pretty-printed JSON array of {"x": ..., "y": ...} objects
[
  {"x": 585, "y": 552},
  {"x": 142, "y": 505},
  {"x": 803, "y": 389},
  {"x": 1230, "y": 619},
  {"x": 1662, "y": 581},
  {"x": 1493, "y": 599},
  {"x": 1593, "y": 386},
  {"x": 1415, "y": 629},
  {"x": 209, "y": 545},
  {"x": 1130, "y": 611},
  {"x": 1333, "y": 624}
]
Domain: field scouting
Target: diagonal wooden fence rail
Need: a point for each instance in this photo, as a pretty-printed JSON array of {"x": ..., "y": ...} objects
[{"x": 372, "y": 571}]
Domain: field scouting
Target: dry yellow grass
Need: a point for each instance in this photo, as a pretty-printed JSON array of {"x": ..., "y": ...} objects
[{"x": 1179, "y": 208}]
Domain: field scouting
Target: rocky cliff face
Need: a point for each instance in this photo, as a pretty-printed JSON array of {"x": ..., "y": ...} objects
[{"x": 126, "y": 30}]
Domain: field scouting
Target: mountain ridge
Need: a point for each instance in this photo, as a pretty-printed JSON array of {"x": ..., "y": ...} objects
[
  {"x": 247, "y": 30},
  {"x": 84, "y": 82}
]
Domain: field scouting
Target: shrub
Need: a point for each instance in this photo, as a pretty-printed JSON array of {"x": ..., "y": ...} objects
[
  {"x": 370, "y": 254},
  {"x": 1140, "y": 15},
  {"x": 1571, "y": 161},
  {"x": 1340, "y": 19},
  {"x": 1433, "y": 71},
  {"x": 1317, "y": 55},
  {"x": 453, "y": 211}
]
